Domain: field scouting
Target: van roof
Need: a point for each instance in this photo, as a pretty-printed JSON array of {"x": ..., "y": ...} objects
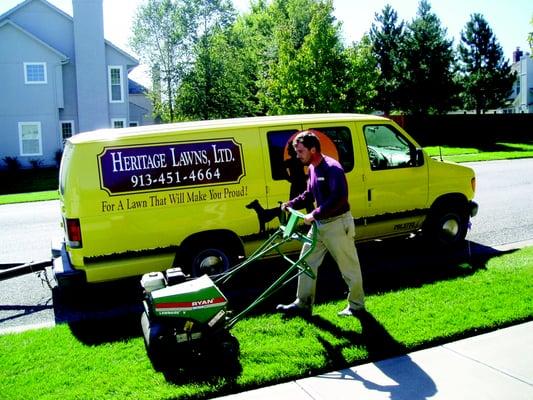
[{"x": 113, "y": 134}]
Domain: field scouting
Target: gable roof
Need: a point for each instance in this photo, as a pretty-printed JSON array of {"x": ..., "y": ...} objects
[
  {"x": 132, "y": 61},
  {"x": 62, "y": 56},
  {"x": 136, "y": 87},
  {"x": 25, "y": 2}
]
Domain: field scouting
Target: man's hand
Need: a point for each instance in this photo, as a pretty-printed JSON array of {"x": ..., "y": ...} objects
[
  {"x": 309, "y": 218},
  {"x": 284, "y": 206}
]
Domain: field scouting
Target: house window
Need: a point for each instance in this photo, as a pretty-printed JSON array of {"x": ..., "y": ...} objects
[
  {"x": 115, "y": 84},
  {"x": 118, "y": 123},
  {"x": 134, "y": 123},
  {"x": 35, "y": 73},
  {"x": 30, "y": 139},
  {"x": 67, "y": 129}
]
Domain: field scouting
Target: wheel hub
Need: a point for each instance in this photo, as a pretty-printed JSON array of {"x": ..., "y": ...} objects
[{"x": 450, "y": 228}]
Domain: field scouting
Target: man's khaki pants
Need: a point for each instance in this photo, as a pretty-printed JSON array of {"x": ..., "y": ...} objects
[{"x": 336, "y": 236}]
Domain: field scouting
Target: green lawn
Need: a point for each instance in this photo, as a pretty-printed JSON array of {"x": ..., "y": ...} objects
[
  {"x": 499, "y": 151},
  {"x": 107, "y": 359}
]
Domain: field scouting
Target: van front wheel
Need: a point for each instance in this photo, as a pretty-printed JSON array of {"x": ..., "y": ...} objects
[
  {"x": 211, "y": 261},
  {"x": 447, "y": 226}
]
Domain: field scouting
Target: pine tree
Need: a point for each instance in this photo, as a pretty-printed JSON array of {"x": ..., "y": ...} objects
[
  {"x": 428, "y": 86},
  {"x": 386, "y": 36},
  {"x": 485, "y": 76}
]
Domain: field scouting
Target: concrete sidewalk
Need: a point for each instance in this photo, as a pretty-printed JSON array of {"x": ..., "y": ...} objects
[{"x": 496, "y": 365}]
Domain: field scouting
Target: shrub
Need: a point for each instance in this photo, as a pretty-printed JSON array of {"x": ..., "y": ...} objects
[
  {"x": 58, "y": 155},
  {"x": 36, "y": 163},
  {"x": 13, "y": 164}
]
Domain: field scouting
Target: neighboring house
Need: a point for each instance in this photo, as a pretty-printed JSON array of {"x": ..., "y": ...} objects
[
  {"x": 58, "y": 77},
  {"x": 523, "y": 87},
  {"x": 140, "y": 105}
]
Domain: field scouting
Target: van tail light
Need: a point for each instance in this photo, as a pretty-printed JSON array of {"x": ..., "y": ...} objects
[
  {"x": 74, "y": 233},
  {"x": 473, "y": 184}
]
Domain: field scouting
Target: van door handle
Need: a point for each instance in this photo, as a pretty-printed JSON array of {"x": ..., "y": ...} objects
[{"x": 369, "y": 195}]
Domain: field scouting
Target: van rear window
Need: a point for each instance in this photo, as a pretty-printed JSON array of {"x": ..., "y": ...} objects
[{"x": 336, "y": 143}]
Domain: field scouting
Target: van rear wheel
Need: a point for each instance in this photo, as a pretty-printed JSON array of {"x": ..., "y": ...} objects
[{"x": 210, "y": 261}]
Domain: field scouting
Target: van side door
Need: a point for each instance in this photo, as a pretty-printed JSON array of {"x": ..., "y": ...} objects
[
  {"x": 283, "y": 173},
  {"x": 396, "y": 180}
]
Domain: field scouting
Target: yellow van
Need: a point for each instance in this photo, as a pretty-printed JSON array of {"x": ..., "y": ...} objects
[{"x": 203, "y": 195}]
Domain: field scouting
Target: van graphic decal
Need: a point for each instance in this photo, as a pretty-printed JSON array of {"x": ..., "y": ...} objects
[
  {"x": 165, "y": 166},
  {"x": 264, "y": 215}
]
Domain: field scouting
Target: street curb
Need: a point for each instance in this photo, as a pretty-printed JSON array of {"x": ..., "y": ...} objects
[{"x": 514, "y": 246}]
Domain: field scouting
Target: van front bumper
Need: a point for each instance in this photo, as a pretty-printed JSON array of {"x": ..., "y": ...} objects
[{"x": 62, "y": 270}]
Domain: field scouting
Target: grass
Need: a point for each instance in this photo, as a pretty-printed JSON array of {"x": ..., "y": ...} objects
[
  {"x": 29, "y": 197},
  {"x": 499, "y": 151},
  {"x": 107, "y": 359},
  {"x": 29, "y": 185}
]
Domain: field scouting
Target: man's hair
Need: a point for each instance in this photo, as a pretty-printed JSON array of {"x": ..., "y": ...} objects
[{"x": 308, "y": 139}]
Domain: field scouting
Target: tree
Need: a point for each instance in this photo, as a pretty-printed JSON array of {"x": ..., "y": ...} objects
[
  {"x": 363, "y": 77},
  {"x": 212, "y": 87},
  {"x": 428, "y": 86},
  {"x": 289, "y": 25},
  {"x": 159, "y": 38},
  {"x": 310, "y": 71},
  {"x": 386, "y": 36},
  {"x": 169, "y": 34},
  {"x": 485, "y": 77},
  {"x": 218, "y": 85}
]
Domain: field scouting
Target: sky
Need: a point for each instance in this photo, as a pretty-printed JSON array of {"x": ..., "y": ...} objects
[{"x": 510, "y": 20}]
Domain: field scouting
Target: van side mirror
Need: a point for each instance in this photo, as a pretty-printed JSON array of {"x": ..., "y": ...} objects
[{"x": 417, "y": 158}]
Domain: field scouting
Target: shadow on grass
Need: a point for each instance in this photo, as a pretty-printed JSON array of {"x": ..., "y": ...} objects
[
  {"x": 29, "y": 180},
  {"x": 210, "y": 362},
  {"x": 386, "y": 266},
  {"x": 100, "y": 313},
  {"x": 411, "y": 381},
  {"x": 109, "y": 313},
  {"x": 405, "y": 263}
]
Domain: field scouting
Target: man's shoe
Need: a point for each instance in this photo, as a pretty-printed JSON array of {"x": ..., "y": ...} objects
[
  {"x": 293, "y": 309},
  {"x": 351, "y": 312}
]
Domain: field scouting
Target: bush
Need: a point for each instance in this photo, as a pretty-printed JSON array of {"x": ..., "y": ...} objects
[
  {"x": 58, "y": 156},
  {"x": 36, "y": 164},
  {"x": 13, "y": 164}
]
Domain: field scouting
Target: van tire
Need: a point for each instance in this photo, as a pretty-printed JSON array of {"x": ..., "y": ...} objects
[
  {"x": 210, "y": 261},
  {"x": 447, "y": 224}
]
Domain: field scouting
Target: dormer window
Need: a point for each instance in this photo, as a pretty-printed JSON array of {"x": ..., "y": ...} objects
[
  {"x": 115, "y": 84},
  {"x": 35, "y": 73}
]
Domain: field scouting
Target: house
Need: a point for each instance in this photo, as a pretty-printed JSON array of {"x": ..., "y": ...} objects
[
  {"x": 59, "y": 77},
  {"x": 523, "y": 87},
  {"x": 140, "y": 105}
]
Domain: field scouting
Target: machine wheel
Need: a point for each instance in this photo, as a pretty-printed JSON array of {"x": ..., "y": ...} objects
[
  {"x": 447, "y": 225},
  {"x": 156, "y": 340},
  {"x": 225, "y": 347},
  {"x": 210, "y": 261}
]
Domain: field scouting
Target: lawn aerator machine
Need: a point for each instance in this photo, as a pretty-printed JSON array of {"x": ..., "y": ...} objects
[{"x": 193, "y": 314}]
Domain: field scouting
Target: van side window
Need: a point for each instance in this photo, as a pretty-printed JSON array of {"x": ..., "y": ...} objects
[
  {"x": 387, "y": 148},
  {"x": 338, "y": 144}
]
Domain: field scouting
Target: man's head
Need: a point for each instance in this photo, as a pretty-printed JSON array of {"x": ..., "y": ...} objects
[{"x": 307, "y": 147}]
